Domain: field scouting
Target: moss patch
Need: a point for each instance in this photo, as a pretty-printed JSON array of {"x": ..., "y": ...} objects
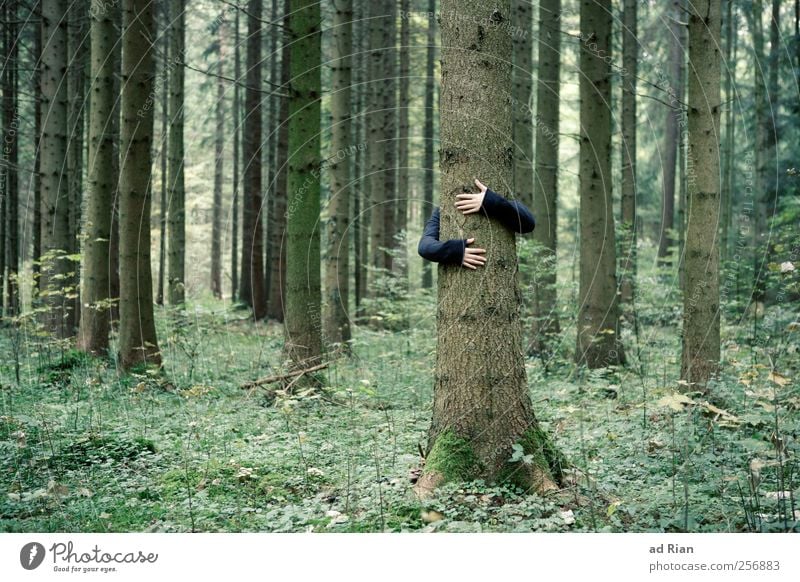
[
  {"x": 541, "y": 453},
  {"x": 452, "y": 457}
]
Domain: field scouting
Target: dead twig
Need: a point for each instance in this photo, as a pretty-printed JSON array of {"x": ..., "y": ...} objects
[{"x": 281, "y": 377}]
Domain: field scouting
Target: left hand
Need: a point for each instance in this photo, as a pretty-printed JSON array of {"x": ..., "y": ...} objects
[{"x": 471, "y": 203}]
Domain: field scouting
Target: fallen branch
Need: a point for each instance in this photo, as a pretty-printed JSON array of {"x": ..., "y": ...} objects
[{"x": 286, "y": 376}]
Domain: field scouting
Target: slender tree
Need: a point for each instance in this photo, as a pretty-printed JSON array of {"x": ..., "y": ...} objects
[
  {"x": 730, "y": 126},
  {"x": 428, "y": 135},
  {"x": 303, "y": 317},
  {"x": 219, "y": 143},
  {"x": 337, "y": 274},
  {"x": 277, "y": 229},
  {"x": 237, "y": 138},
  {"x": 176, "y": 268},
  {"x": 102, "y": 180},
  {"x": 163, "y": 207},
  {"x": 137, "y": 333},
  {"x": 482, "y": 406},
  {"x": 57, "y": 271},
  {"x": 630, "y": 56},
  {"x": 522, "y": 98},
  {"x": 389, "y": 131},
  {"x": 701, "y": 344},
  {"x": 598, "y": 342},
  {"x": 272, "y": 138},
  {"x": 545, "y": 186},
  {"x": 252, "y": 273},
  {"x": 360, "y": 222},
  {"x": 376, "y": 145},
  {"x": 37, "y": 143},
  {"x": 403, "y": 191},
  {"x": 9, "y": 179}
]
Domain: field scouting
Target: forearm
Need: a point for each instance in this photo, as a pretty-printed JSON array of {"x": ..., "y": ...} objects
[{"x": 512, "y": 214}]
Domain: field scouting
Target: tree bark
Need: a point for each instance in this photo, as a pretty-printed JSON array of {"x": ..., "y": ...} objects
[
  {"x": 57, "y": 271},
  {"x": 219, "y": 167},
  {"x": 545, "y": 187},
  {"x": 598, "y": 342},
  {"x": 358, "y": 192},
  {"x": 389, "y": 73},
  {"x": 428, "y": 134},
  {"x": 137, "y": 333},
  {"x": 375, "y": 144},
  {"x": 9, "y": 192},
  {"x": 237, "y": 136},
  {"x": 403, "y": 188},
  {"x": 701, "y": 344},
  {"x": 482, "y": 406},
  {"x": 303, "y": 299},
  {"x": 337, "y": 273},
  {"x": 630, "y": 55},
  {"x": 163, "y": 207},
  {"x": 730, "y": 128},
  {"x": 102, "y": 180},
  {"x": 176, "y": 279}
]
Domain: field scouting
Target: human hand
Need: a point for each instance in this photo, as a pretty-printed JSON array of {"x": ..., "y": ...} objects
[
  {"x": 471, "y": 203},
  {"x": 473, "y": 258}
]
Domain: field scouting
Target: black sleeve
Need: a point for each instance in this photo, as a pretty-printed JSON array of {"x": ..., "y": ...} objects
[
  {"x": 512, "y": 214},
  {"x": 447, "y": 252}
]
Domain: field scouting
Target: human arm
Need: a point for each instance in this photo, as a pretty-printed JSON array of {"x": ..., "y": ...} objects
[
  {"x": 449, "y": 252},
  {"x": 512, "y": 214}
]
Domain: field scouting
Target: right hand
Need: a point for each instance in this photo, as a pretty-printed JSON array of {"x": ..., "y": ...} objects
[{"x": 473, "y": 258}]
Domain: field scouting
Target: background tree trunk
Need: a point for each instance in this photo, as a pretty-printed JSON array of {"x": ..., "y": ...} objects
[
  {"x": 56, "y": 269},
  {"x": 389, "y": 81},
  {"x": 403, "y": 187},
  {"x": 375, "y": 139},
  {"x": 701, "y": 345},
  {"x": 337, "y": 274},
  {"x": 163, "y": 207},
  {"x": 9, "y": 244},
  {"x": 360, "y": 223},
  {"x": 428, "y": 135},
  {"x": 730, "y": 127},
  {"x": 481, "y": 402},
  {"x": 176, "y": 279},
  {"x": 102, "y": 180},
  {"x": 598, "y": 342},
  {"x": 545, "y": 187},
  {"x": 237, "y": 137},
  {"x": 137, "y": 333},
  {"x": 630, "y": 58},
  {"x": 522, "y": 99},
  {"x": 303, "y": 299},
  {"x": 252, "y": 278},
  {"x": 219, "y": 144}
]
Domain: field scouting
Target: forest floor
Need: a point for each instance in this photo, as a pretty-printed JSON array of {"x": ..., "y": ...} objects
[{"x": 84, "y": 449}]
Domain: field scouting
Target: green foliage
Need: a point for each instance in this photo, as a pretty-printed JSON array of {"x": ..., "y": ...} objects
[{"x": 452, "y": 457}]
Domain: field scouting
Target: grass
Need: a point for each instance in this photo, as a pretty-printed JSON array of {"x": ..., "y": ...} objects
[{"x": 83, "y": 448}]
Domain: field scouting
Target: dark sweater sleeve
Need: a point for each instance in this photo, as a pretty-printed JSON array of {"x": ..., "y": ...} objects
[
  {"x": 512, "y": 214},
  {"x": 431, "y": 248}
]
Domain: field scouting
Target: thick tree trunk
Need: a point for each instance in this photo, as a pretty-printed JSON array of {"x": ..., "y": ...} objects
[
  {"x": 57, "y": 271},
  {"x": 630, "y": 51},
  {"x": 482, "y": 406},
  {"x": 137, "y": 333},
  {"x": 252, "y": 283},
  {"x": 671, "y": 136},
  {"x": 219, "y": 142},
  {"x": 701, "y": 344},
  {"x": 428, "y": 135},
  {"x": 176, "y": 279},
  {"x": 303, "y": 299},
  {"x": 237, "y": 135},
  {"x": 522, "y": 98},
  {"x": 102, "y": 181},
  {"x": 337, "y": 273},
  {"x": 545, "y": 187},
  {"x": 277, "y": 229},
  {"x": 598, "y": 342}
]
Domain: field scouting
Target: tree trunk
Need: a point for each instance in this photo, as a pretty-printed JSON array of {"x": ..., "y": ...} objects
[
  {"x": 701, "y": 344},
  {"x": 219, "y": 143},
  {"x": 272, "y": 147},
  {"x": 102, "y": 180},
  {"x": 730, "y": 127},
  {"x": 375, "y": 140},
  {"x": 545, "y": 187},
  {"x": 522, "y": 99},
  {"x": 358, "y": 122},
  {"x": 237, "y": 134},
  {"x": 630, "y": 51},
  {"x": 389, "y": 73},
  {"x": 303, "y": 299},
  {"x": 176, "y": 280},
  {"x": 277, "y": 229},
  {"x": 481, "y": 407},
  {"x": 598, "y": 342},
  {"x": 9, "y": 191},
  {"x": 428, "y": 135},
  {"x": 137, "y": 333},
  {"x": 671, "y": 137},
  {"x": 114, "y": 249},
  {"x": 37, "y": 146},
  {"x": 403, "y": 191},
  {"x": 57, "y": 271},
  {"x": 252, "y": 285},
  {"x": 163, "y": 207},
  {"x": 337, "y": 273}
]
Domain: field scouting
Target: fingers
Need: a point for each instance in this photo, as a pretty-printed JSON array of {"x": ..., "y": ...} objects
[
  {"x": 480, "y": 185},
  {"x": 473, "y": 258},
  {"x": 470, "y": 241}
]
